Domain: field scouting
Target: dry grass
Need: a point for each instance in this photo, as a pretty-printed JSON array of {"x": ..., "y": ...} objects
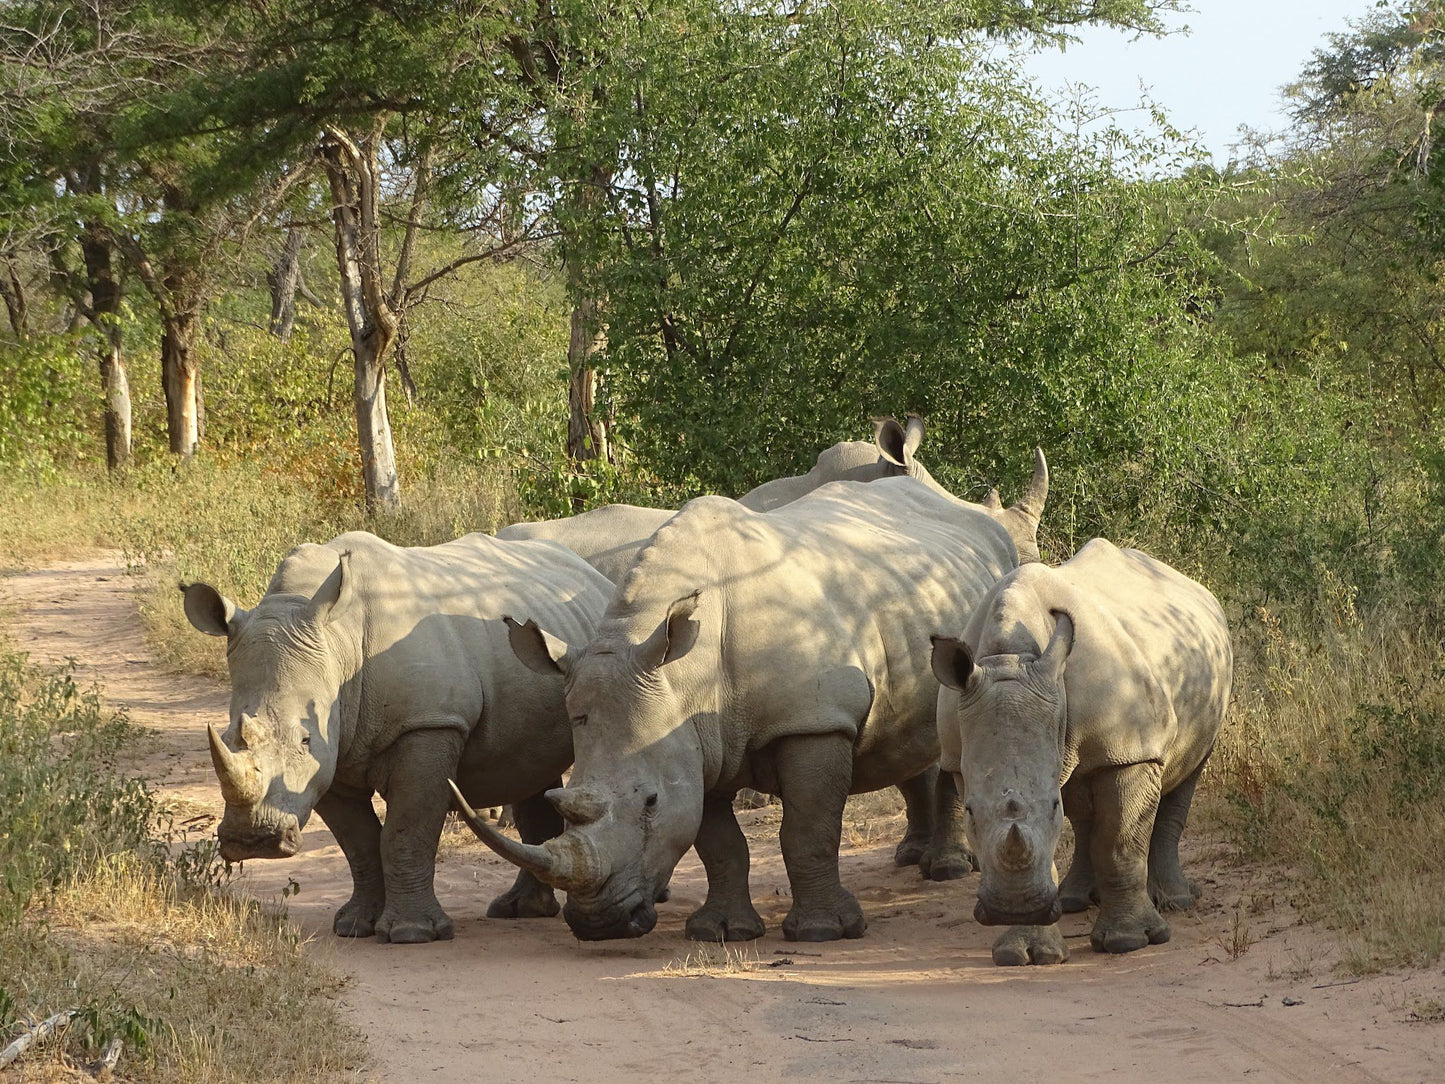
[
  {"x": 712, "y": 960},
  {"x": 137, "y": 935},
  {"x": 1332, "y": 763},
  {"x": 872, "y": 818}
]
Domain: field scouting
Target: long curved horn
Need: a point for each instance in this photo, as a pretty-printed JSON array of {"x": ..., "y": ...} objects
[
  {"x": 1015, "y": 852},
  {"x": 1031, "y": 503},
  {"x": 239, "y": 785},
  {"x": 567, "y": 865}
]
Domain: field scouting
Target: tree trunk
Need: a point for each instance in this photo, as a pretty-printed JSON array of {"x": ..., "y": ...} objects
[
  {"x": 13, "y": 292},
  {"x": 352, "y": 173},
  {"x": 284, "y": 280},
  {"x": 587, "y": 431},
  {"x": 98, "y": 250},
  {"x": 182, "y": 383},
  {"x": 117, "y": 405}
]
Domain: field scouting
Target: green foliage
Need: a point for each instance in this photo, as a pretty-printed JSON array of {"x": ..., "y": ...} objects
[
  {"x": 62, "y": 806},
  {"x": 48, "y": 404}
]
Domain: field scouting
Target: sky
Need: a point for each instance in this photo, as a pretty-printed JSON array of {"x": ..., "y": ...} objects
[{"x": 1227, "y": 71}]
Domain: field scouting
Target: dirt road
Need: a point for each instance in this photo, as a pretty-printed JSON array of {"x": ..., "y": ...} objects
[{"x": 1242, "y": 990}]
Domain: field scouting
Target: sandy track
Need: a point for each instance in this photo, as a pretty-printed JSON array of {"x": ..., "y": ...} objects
[{"x": 916, "y": 1000}]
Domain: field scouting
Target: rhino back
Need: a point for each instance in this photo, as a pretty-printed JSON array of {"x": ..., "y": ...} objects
[
  {"x": 849, "y": 460},
  {"x": 832, "y": 597},
  {"x": 607, "y": 538}
]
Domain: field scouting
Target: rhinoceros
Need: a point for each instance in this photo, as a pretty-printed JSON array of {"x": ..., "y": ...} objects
[
  {"x": 367, "y": 668},
  {"x": 1095, "y": 691},
  {"x": 785, "y": 651}
]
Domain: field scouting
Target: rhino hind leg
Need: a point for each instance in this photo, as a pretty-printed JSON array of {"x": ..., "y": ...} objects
[
  {"x": 947, "y": 857},
  {"x": 728, "y": 913},
  {"x": 352, "y": 820},
  {"x": 1077, "y": 891},
  {"x": 918, "y": 797},
  {"x": 1168, "y": 887},
  {"x": 814, "y": 772},
  {"x": 1125, "y": 800},
  {"x": 537, "y": 820},
  {"x": 1019, "y": 946}
]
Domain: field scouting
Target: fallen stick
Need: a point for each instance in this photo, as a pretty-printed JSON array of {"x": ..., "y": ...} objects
[
  {"x": 109, "y": 1055},
  {"x": 39, "y": 1032}
]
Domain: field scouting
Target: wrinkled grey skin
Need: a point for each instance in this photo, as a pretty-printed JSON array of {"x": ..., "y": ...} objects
[
  {"x": 1094, "y": 690},
  {"x": 607, "y": 538},
  {"x": 785, "y": 651},
  {"x": 367, "y": 668}
]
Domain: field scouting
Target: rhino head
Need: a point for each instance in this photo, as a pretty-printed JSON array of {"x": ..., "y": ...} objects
[
  {"x": 634, "y": 802},
  {"x": 279, "y": 753},
  {"x": 1011, "y": 719}
]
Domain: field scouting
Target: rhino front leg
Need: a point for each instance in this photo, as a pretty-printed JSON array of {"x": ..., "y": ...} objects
[
  {"x": 948, "y": 856},
  {"x": 918, "y": 798},
  {"x": 353, "y": 821},
  {"x": 1168, "y": 887},
  {"x": 814, "y": 775},
  {"x": 417, "y": 799},
  {"x": 1125, "y": 800},
  {"x": 537, "y": 820},
  {"x": 728, "y": 914}
]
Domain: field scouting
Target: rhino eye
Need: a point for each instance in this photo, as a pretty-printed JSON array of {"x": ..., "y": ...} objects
[
  {"x": 651, "y": 802},
  {"x": 305, "y": 740},
  {"x": 579, "y": 720}
]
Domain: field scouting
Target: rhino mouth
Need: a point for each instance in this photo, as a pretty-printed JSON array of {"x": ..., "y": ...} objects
[
  {"x": 612, "y": 925},
  {"x": 1045, "y": 914},
  {"x": 239, "y": 846}
]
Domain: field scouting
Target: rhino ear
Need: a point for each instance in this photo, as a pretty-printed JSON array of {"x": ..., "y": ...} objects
[
  {"x": 892, "y": 441},
  {"x": 897, "y": 443},
  {"x": 335, "y": 593},
  {"x": 952, "y": 662},
  {"x": 1052, "y": 659},
  {"x": 210, "y": 611},
  {"x": 912, "y": 437},
  {"x": 539, "y": 651},
  {"x": 674, "y": 637}
]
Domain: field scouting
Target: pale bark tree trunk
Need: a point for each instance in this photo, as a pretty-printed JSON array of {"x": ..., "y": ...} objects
[
  {"x": 98, "y": 250},
  {"x": 352, "y": 172},
  {"x": 285, "y": 280},
  {"x": 12, "y": 290},
  {"x": 182, "y": 382},
  {"x": 587, "y": 430}
]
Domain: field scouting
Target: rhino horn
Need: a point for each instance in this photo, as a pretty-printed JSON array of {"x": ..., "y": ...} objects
[
  {"x": 567, "y": 866},
  {"x": 239, "y": 785},
  {"x": 1031, "y": 504},
  {"x": 992, "y": 502},
  {"x": 1015, "y": 853},
  {"x": 578, "y": 805}
]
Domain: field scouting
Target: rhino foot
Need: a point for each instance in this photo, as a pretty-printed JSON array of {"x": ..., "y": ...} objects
[
  {"x": 842, "y": 918},
  {"x": 357, "y": 917},
  {"x": 525, "y": 901},
  {"x": 1072, "y": 902},
  {"x": 414, "y": 929},
  {"x": 1021, "y": 945},
  {"x": 948, "y": 863},
  {"x": 1124, "y": 933},
  {"x": 1177, "y": 895},
  {"x": 910, "y": 852},
  {"x": 711, "y": 923}
]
